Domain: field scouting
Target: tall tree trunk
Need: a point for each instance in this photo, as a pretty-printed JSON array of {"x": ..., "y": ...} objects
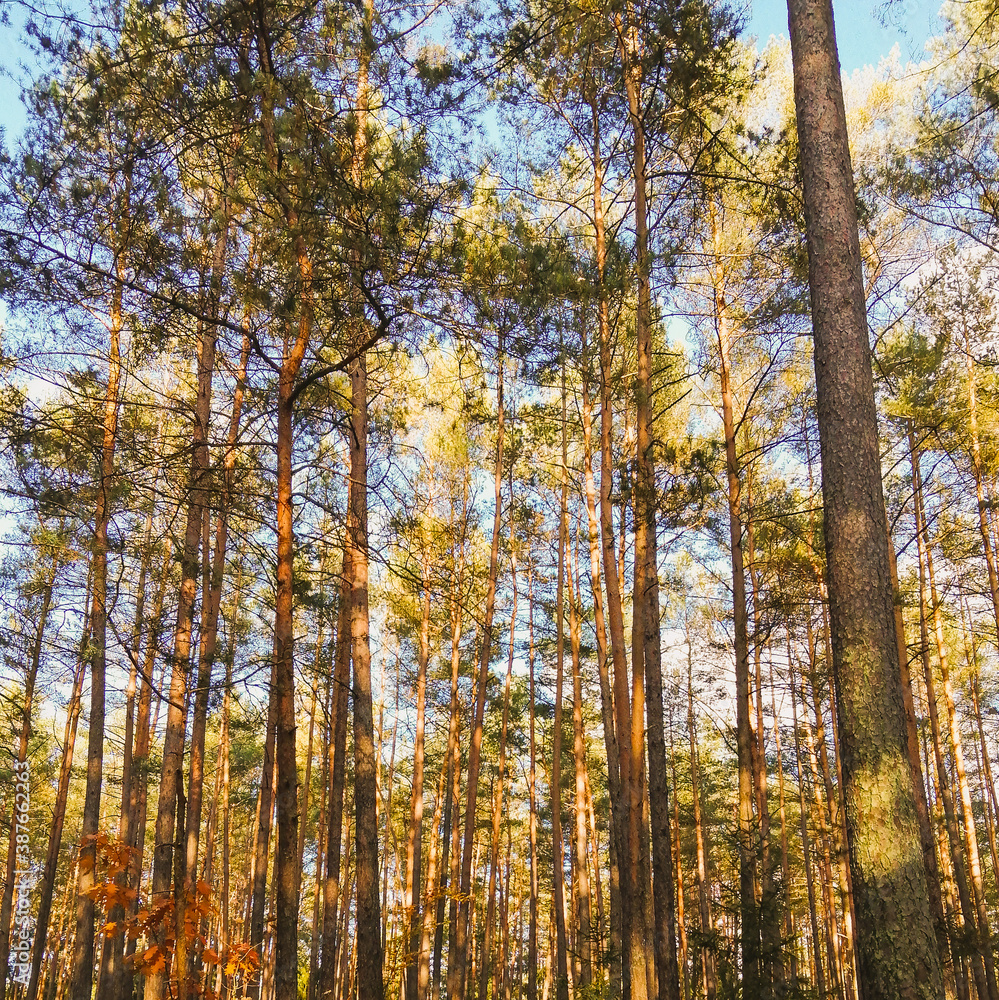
[
  {"x": 83, "y": 948},
  {"x": 337, "y": 765},
  {"x": 171, "y": 775},
  {"x": 919, "y": 785},
  {"x": 48, "y": 879},
  {"x": 22, "y": 777},
  {"x": 606, "y": 527},
  {"x": 261, "y": 846},
  {"x": 532, "y": 929},
  {"x": 749, "y": 913},
  {"x": 555, "y": 784},
  {"x": 805, "y": 850},
  {"x": 368, "y": 913},
  {"x": 434, "y": 890},
  {"x": 613, "y": 582},
  {"x": 414, "y": 836},
  {"x": 135, "y": 836},
  {"x": 213, "y": 573},
  {"x": 490, "y": 919},
  {"x": 647, "y": 655},
  {"x": 708, "y": 970},
  {"x": 896, "y": 941},
  {"x": 583, "y": 932},
  {"x": 967, "y": 869},
  {"x": 458, "y": 967}
]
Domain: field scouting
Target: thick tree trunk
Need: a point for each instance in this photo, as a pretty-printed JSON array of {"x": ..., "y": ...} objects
[{"x": 897, "y": 950}]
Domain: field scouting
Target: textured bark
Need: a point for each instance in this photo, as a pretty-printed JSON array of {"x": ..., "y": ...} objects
[{"x": 897, "y": 953}]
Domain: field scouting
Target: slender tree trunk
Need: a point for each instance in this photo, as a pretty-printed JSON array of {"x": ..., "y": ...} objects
[
  {"x": 919, "y": 785},
  {"x": 48, "y": 878},
  {"x": 555, "y": 785},
  {"x": 171, "y": 775},
  {"x": 261, "y": 846},
  {"x": 647, "y": 664},
  {"x": 434, "y": 891},
  {"x": 805, "y": 851},
  {"x": 896, "y": 941},
  {"x": 532, "y": 930},
  {"x": 749, "y": 913},
  {"x": 497, "y": 812},
  {"x": 414, "y": 836},
  {"x": 709, "y": 973},
  {"x": 981, "y": 958},
  {"x": 82, "y": 974},
  {"x": 368, "y": 915},
  {"x": 139, "y": 791},
  {"x": 582, "y": 923},
  {"x": 458, "y": 968},
  {"x": 22, "y": 775},
  {"x": 615, "y": 614},
  {"x": 328, "y": 969}
]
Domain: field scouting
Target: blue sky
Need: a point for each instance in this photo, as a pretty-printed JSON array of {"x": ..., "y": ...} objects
[{"x": 865, "y": 31}]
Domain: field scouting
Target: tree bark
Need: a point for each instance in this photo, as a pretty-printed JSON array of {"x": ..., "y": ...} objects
[{"x": 896, "y": 941}]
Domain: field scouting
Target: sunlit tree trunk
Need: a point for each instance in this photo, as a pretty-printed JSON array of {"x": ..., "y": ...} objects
[{"x": 897, "y": 953}]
